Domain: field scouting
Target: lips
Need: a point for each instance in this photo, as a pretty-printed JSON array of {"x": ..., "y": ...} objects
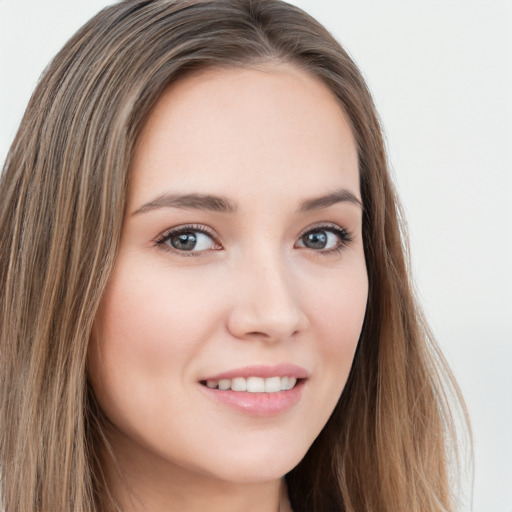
[
  {"x": 261, "y": 371},
  {"x": 258, "y": 390}
]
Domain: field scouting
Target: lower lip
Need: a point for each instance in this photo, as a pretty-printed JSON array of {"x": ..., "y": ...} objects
[{"x": 258, "y": 404}]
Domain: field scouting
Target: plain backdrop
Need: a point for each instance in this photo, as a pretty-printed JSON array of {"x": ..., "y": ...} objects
[{"x": 441, "y": 75}]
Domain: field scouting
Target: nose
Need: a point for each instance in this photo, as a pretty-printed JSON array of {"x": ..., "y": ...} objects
[{"x": 266, "y": 302}]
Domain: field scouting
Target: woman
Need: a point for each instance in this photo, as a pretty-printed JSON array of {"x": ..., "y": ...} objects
[{"x": 205, "y": 298}]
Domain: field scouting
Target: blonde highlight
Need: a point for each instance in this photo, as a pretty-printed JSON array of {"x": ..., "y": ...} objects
[{"x": 388, "y": 444}]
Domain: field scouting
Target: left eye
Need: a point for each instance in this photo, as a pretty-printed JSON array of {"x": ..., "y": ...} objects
[
  {"x": 322, "y": 239},
  {"x": 188, "y": 241}
]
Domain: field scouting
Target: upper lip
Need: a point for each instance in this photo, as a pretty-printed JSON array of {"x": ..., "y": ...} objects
[{"x": 263, "y": 371}]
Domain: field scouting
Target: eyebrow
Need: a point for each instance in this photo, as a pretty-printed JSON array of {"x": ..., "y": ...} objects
[
  {"x": 220, "y": 204},
  {"x": 338, "y": 196},
  {"x": 190, "y": 202}
]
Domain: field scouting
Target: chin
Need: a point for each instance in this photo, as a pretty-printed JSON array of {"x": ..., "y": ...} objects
[{"x": 257, "y": 466}]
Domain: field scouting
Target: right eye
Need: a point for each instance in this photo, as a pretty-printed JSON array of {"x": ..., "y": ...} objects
[{"x": 188, "y": 239}]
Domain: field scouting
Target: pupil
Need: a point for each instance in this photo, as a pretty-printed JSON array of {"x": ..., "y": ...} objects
[
  {"x": 184, "y": 241},
  {"x": 316, "y": 240}
]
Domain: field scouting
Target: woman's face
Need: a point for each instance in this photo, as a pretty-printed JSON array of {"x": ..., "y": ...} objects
[{"x": 241, "y": 264}]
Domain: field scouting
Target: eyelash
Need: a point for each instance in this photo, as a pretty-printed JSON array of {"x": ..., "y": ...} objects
[
  {"x": 344, "y": 237},
  {"x": 189, "y": 228}
]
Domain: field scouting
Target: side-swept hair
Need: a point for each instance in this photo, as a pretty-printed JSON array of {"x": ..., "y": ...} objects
[{"x": 388, "y": 444}]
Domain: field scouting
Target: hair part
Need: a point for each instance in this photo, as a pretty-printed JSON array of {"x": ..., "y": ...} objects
[{"x": 390, "y": 439}]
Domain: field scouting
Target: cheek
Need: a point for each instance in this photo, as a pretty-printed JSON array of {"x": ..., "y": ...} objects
[
  {"x": 150, "y": 315},
  {"x": 145, "y": 335},
  {"x": 337, "y": 309},
  {"x": 337, "y": 317}
]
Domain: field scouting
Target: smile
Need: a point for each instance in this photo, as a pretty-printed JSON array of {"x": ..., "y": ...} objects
[
  {"x": 253, "y": 384},
  {"x": 257, "y": 390}
]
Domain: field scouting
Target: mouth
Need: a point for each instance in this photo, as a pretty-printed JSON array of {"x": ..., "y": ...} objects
[
  {"x": 258, "y": 390},
  {"x": 253, "y": 384}
]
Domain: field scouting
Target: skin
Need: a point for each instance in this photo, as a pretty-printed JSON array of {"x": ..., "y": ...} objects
[{"x": 267, "y": 139}]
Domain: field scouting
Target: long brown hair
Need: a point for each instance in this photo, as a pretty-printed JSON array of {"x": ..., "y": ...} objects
[{"x": 388, "y": 444}]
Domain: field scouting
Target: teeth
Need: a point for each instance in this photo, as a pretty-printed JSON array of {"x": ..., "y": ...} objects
[
  {"x": 238, "y": 384},
  {"x": 254, "y": 384},
  {"x": 272, "y": 385},
  {"x": 224, "y": 384},
  {"x": 291, "y": 382}
]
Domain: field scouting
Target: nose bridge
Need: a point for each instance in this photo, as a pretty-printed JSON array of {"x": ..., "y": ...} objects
[{"x": 267, "y": 302}]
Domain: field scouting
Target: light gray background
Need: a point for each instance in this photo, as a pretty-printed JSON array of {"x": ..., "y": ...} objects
[{"x": 441, "y": 75}]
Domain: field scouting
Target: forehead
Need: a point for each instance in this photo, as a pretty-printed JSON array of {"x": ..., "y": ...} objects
[{"x": 228, "y": 129}]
